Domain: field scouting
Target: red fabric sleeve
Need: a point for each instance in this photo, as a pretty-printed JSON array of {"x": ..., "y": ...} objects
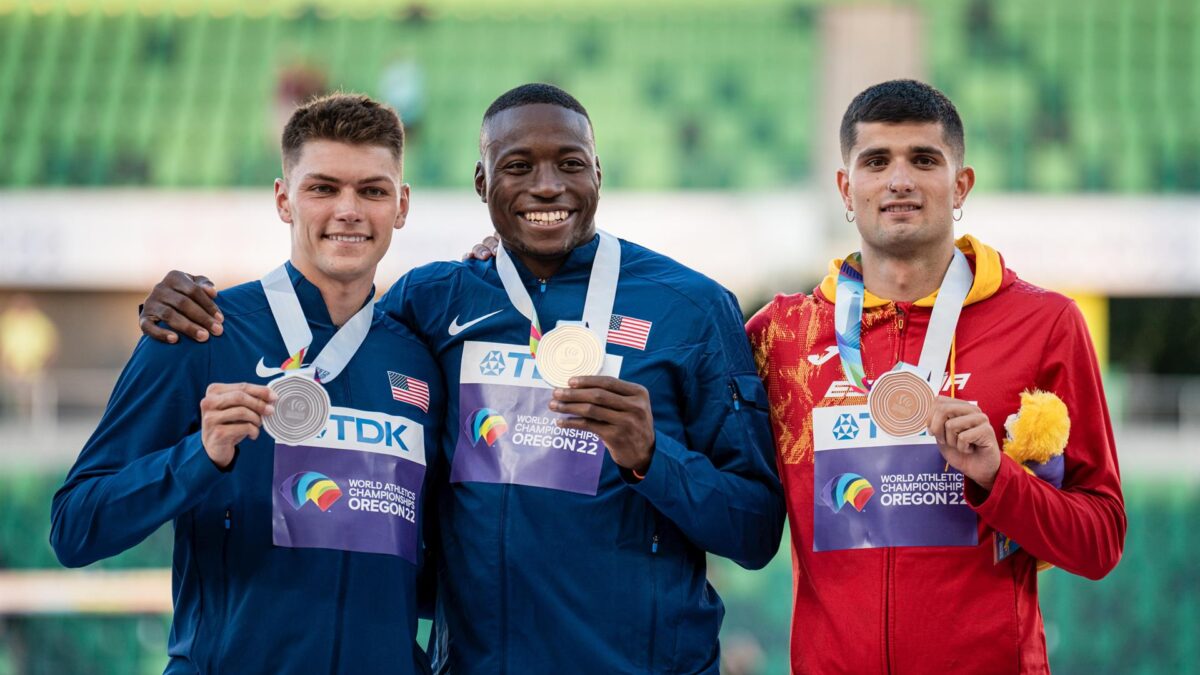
[{"x": 1080, "y": 528}]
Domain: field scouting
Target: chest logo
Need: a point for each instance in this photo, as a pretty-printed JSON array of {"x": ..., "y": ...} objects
[
  {"x": 821, "y": 359},
  {"x": 455, "y": 327}
]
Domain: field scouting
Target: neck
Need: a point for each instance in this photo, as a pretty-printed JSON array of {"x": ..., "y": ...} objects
[
  {"x": 343, "y": 298},
  {"x": 542, "y": 268},
  {"x": 905, "y": 278}
]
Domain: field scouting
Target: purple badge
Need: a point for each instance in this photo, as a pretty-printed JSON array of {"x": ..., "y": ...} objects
[{"x": 355, "y": 487}]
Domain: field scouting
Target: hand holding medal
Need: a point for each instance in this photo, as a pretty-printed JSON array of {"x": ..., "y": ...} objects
[
  {"x": 966, "y": 439},
  {"x": 230, "y": 413}
]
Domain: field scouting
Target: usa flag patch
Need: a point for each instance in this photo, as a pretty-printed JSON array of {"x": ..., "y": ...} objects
[
  {"x": 409, "y": 390},
  {"x": 628, "y": 331}
]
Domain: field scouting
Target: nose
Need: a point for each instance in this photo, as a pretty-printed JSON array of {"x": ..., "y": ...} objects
[
  {"x": 547, "y": 182},
  {"x": 901, "y": 179},
  {"x": 349, "y": 207}
]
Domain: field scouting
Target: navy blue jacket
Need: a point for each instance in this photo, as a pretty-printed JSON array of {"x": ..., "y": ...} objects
[
  {"x": 535, "y": 580},
  {"x": 243, "y": 605}
]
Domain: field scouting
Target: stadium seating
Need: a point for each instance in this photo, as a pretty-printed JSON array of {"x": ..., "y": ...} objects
[{"x": 1057, "y": 97}]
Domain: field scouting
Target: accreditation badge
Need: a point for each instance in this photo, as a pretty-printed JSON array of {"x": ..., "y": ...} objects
[
  {"x": 355, "y": 486},
  {"x": 873, "y": 490},
  {"x": 507, "y": 432}
]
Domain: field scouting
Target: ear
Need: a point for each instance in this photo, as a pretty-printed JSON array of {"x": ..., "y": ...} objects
[
  {"x": 402, "y": 215},
  {"x": 599, "y": 174},
  {"x": 843, "y": 186},
  {"x": 963, "y": 182},
  {"x": 282, "y": 205},
  {"x": 480, "y": 181}
]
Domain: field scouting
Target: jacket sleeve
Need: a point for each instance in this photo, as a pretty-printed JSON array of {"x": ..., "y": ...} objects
[
  {"x": 145, "y": 463},
  {"x": 1080, "y": 528},
  {"x": 721, "y": 488}
]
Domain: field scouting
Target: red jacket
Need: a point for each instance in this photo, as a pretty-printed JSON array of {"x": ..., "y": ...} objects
[{"x": 944, "y": 609}]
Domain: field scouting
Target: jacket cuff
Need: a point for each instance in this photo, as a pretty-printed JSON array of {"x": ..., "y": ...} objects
[
  {"x": 987, "y": 503},
  {"x": 656, "y": 484},
  {"x": 195, "y": 469}
]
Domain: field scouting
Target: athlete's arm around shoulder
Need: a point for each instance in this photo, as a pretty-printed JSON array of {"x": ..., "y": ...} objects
[
  {"x": 721, "y": 488},
  {"x": 1080, "y": 528},
  {"x": 147, "y": 461}
]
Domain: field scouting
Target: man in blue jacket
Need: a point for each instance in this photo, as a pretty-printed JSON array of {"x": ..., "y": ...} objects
[
  {"x": 574, "y": 520},
  {"x": 298, "y": 554}
]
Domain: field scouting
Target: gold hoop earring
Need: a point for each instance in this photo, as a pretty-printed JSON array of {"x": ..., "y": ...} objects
[
  {"x": 957, "y": 216},
  {"x": 850, "y": 216}
]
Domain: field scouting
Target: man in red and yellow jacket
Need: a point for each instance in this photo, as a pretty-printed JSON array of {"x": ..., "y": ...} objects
[{"x": 874, "y": 606}]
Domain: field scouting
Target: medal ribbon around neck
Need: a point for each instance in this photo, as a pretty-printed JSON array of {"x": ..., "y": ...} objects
[
  {"x": 601, "y": 293},
  {"x": 297, "y": 337},
  {"x": 848, "y": 311}
]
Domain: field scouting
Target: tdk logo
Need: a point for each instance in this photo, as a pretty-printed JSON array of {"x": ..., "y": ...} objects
[
  {"x": 846, "y": 428},
  {"x": 368, "y": 431},
  {"x": 492, "y": 363}
]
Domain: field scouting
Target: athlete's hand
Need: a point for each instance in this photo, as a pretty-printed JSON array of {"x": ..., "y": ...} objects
[
  {"x": 615, "y": 410},
  {"x": 484, "y": 249},
  {"x": 229, "y": 413},
  {"x": 966, "y": 438},
  {"x": 185, "y": 303}
]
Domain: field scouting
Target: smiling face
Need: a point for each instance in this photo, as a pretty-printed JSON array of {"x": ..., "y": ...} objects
[
  {"x": 541, "y": 180},
  {"x": 343, "y": 201},
  {"x": 902, "y": 183}
]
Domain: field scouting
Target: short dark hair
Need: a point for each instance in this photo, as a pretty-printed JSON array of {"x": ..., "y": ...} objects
[
  {"x": 536, "y": 92},
  {"x": 898, "y": 101},
  {"x": 348, "y": 118}
]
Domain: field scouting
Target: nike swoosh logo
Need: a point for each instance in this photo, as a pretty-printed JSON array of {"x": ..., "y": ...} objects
[
  {"x": 818, "y": 359},
  {"x": 455, "y": 327},
  {"x": 263, "y": 371}
]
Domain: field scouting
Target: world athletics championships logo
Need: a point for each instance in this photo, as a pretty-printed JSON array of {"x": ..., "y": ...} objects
[
  {"x": 845, "y": 428},
  {"x": 310, "y": 486},
  {"x": 847, "y": 488},
  {"x": 492, "y": 363},
  {"x": 485, "y": 425}
]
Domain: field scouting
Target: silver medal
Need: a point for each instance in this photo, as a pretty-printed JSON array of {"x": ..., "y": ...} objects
[{"x": 301, "y": 410}]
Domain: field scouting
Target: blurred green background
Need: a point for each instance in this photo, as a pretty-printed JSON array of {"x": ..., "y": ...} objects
[{"x": 1059, "y": 98}]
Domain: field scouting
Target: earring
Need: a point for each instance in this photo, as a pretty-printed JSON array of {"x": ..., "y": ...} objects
[
  {"x": 849, "y": 216},
  {"x": 957, "y": 214}
]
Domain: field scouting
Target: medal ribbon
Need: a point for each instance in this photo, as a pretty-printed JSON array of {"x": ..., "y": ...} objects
[
  {"x": 848, "y": 311},
  {"x": 601, "y": 293},
  {"x": 293, "y": 326}
]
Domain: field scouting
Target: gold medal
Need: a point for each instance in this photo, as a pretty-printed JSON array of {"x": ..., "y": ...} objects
[
  {"x": 901, "y": 403},
  {"x": 568, "y": 351},
  {"x": 301, "y": 410}
]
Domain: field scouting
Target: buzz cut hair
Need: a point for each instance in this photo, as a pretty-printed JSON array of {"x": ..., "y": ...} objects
[
  {"x": 533, "y": 93},
  {"x": 899, "y": 101},
  {"x": 356, "y": 119}
]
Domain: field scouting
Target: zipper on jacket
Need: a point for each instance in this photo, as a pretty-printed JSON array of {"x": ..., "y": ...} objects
[
  {"x": 737, "y": 400},
  {"x": 503, "y": 579},
  {"x": 654, "y": 541},
  {"x": 222, "y": 643},
  {"x": 335, "y": 651},
  {"x": 887, "y": 610},
  {"x": 543, "y": 284}
]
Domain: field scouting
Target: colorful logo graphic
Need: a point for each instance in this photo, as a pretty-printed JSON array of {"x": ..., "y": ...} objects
[
  {"x": 847, "y": 488},
  {"x": 310, "y": 486},
  {"x": 845, "y": 428},
  {"x": 492, "y": 363},
  {"x": 485, "y": 425}
]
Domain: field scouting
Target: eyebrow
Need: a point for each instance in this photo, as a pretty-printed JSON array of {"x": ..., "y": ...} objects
[
  {"x": 331, "y": 179},
  {"x": 869, "y": 153}
]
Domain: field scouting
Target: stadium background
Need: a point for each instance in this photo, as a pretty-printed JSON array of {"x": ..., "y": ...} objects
[{"x": 139, "y": 136}]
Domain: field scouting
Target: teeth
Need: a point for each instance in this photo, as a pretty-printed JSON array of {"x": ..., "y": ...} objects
[
  {"x": 546, "y": 216},
  {"x": 353, "y": 239},
  {"x": 899, "y": 209}
]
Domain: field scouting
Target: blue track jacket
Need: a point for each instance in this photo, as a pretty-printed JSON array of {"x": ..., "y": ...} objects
[
  {"x": 536, "y": 580},
  {"x": 242, "y": 604}
]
